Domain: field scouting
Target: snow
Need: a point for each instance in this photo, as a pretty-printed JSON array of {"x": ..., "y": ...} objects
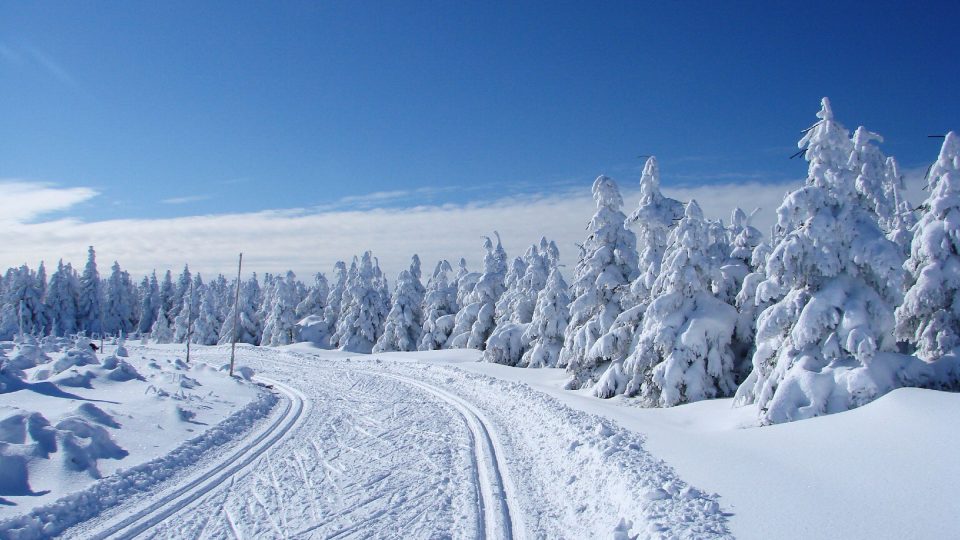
[
  {"x": 407, "y": 441},
  {"x": 887, "y": 474},
  {"x": 75, "y": 417}
]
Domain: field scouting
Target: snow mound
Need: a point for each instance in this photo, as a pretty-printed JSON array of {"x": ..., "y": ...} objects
[
  {"x": 76, "y": 356},
  {"x": 122, "y": 371},
  {"x": 82, "y": 443},
  {"x": 75, "y": 378},
  {"x": 27, "y": 355},
  {"x": 53, "y": 519},
  {"x": 96, "y": 414}
]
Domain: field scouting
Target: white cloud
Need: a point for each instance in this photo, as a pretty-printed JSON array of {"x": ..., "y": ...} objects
[
  {"x": 308, "y": 240},
  {"x": 186, "y": 199},
  {"x": 23, "y": 201}
]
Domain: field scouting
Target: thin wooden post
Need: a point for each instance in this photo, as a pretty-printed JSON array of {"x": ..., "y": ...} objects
[
  {"x": 20, "y": 318},
  {"x": 189, "y": 320},
  {"x": 236, "y": 316}
]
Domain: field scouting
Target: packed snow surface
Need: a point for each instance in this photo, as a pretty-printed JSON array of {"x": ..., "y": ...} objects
[
  {"x": 437, "y": 444},
  {"x": 79, "y": 430}
]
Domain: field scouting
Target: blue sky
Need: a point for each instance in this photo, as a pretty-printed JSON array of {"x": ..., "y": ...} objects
[{"x": 175, "y": 109}]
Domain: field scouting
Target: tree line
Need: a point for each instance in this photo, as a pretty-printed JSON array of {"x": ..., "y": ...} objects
[{"x": 852, "y": 293}]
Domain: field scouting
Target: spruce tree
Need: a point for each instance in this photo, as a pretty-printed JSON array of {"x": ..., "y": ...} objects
[
  {"x": 833, "y": 279},
  {"x": 439, "y": 308},
  {"x": 404, "y": 322},
  {"x": 90, "y": 301},
  {"x": 608, "y": 263},
  {"x": 683, "y": 352},
  {"x": 929, "y": 318}
]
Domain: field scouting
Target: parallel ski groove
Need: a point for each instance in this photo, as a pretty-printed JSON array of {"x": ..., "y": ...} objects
[
  {"x": 136, "y": 523},
  {"x": 499, "y": 517}
]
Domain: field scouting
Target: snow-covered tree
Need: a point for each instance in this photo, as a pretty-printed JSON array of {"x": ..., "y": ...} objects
[
  {"x": 206, "y": 327},
  {"x": 901, "y": 225},
  {"x": 833, "y": 279},
  {"x": 150, "y": 303},
  {"x": 736, "y": 264},
  {"x": 930, "y": 315},
  {"x": 872, "y": 183},
  {"x": 278, "y": 327},
  {"x": 363, "y": 311},
  {"x": 475, "y": 321},
  {"x": 544, "y": 334},
  {"x": 652, "y": 220},
  {"x": 404, "y": 323},
  {"x": 248, "y": 327},
  {"x": 608, "y": 263},
  {"x": 514, "y": 311},
  {"x": 331, "y": 312},
  {"x": 120, "y": 303},
  {"x": 465, "y": 281},
  {"x": 183, "y": 323},
  {"x": 90, "y": 301},
  {"x": 750, "y": 302},
  {"x": 168, "y": 294},
  {"x": 181, "y": 289},
  {"x": 315, "y": 300},
  {"x": 162, "y": 329},
  {"x": 439, "y": 308},
  {"x": 22, "y": 304},
  {"x": 61, "y": 300},
  {"x": 683, "y": 352}
]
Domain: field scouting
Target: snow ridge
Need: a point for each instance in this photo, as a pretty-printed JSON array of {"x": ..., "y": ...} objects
[{"x": 53, "y": 519}]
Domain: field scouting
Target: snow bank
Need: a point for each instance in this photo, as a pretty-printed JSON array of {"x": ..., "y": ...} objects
[{"x": 54, "y": 518}]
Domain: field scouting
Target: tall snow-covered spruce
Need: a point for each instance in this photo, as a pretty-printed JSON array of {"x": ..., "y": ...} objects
[
  {"x": 439, "y": 308},
  {"x": 608, "y": 263},
  {"x": 514, "y": 311},
  {"x": 825, "y": 344},
  {"x": 278, "y": 326},
  {"x": 475, "y": 320},
  {"x": 930, "y": 315},
  {"x": 404, "y": 323},
  {"x": 653, "y": 219},
  {"x": 364, "y": 309},
  {"x": 544, "y": 334},
  {"x": 683, "y": 353}
]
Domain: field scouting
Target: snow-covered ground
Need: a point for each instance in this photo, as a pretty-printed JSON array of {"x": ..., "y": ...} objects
[
  {"x": 439, "y": 445},
  {"x": 884, "y": 470},
  {"x": 101, "y": 426}
]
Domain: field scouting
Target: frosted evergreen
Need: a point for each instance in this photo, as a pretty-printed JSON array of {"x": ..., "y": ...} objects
[
  {"x": 90, "y": 301},
  {"x": 683, "y": 353},
  {"x": 281, "y": 319},
  {"x": 833, "y": 279},
  {"x": 61, "y": 300},
  {"x": 475, "y": 321},
  {"x": 404, "y": 323},
  {"x": 439, "y": 308},
  {"x": 364, "y": 309},
  {"x": 608, "y": 263},
  {"x": 545, "y": 333},
  {"x": 930, "y": 315}
]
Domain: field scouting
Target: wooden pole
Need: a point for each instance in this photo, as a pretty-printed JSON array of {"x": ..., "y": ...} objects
[
  {"x": 20, "y": 318},
  {"x": 236, "y": 316},
  {"x": 189, "y": 320}
]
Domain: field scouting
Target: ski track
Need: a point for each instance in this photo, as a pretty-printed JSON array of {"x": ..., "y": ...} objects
[
  {"x": 133, "y": 524},
  {"x": 380, "y": 449},
  {"x": 365, "y": 474}
]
